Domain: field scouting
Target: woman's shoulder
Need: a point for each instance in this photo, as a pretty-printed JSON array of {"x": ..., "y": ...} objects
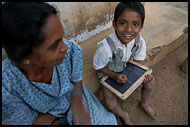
[
  {"x": 71, "y": 43},
  {"x": 5, "y": 65},
  {"x": 6, "y": 71},
  {"x": 10, "y": 73},
  {"x": 8, "y": 78}
]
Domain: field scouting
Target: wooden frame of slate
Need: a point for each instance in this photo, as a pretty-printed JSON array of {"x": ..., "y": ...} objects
[{"x": 135, "y": 74}]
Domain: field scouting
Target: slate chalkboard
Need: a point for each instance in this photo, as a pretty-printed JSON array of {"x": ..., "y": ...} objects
[{"x": 134, "y": 72}]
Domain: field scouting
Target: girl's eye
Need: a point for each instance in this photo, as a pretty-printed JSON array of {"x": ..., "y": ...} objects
[
  {"x": 136, "y": 24},
  {"x": 123, "y": 23}
]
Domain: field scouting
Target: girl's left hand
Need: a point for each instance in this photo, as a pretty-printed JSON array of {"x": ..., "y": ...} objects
[{"x": 148, "y": 78}]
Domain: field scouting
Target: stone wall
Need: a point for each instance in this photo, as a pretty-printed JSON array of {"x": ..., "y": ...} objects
[{"x": 82, "y": 20}]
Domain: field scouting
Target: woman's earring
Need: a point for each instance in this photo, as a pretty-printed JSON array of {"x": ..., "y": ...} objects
[{"x": 28, "y": 61}]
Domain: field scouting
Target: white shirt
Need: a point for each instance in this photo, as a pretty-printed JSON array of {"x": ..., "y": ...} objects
[{"x": 103, "y": 54}]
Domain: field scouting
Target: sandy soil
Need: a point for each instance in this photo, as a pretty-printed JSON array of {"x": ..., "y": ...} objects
[{"x": 170, "y": 97}]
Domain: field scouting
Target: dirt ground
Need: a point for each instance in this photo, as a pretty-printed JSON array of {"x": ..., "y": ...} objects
[{"x": 170, "y": 97}]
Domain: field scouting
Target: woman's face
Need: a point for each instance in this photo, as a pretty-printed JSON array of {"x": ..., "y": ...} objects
[
  {"x": 52, "y": 51},
  {"x": 128, "y": 26}
]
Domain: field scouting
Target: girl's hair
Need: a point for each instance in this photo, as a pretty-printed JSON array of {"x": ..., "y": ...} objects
[
  {"x": 133, "y": 6},
  {"x": 22, "y": 24}
]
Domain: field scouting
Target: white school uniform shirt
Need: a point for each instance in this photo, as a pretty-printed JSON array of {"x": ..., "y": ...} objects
[{"x": 103, "y": 54}]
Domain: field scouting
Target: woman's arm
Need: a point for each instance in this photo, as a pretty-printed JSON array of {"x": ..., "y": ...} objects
[
  {"x": 46, "y": 119},
  {"x": 80, "y": 114}
]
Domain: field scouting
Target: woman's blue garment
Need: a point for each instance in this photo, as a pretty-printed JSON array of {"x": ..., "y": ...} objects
[{"x": 21, "y": 101}]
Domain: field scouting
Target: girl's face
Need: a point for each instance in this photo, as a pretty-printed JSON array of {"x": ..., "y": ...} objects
[
  {"x": 128, "y": 26},
  {"x": 52, "y": 51}
]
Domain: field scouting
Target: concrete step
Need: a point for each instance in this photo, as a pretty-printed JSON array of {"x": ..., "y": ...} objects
[{"x": 156, "y": 54}]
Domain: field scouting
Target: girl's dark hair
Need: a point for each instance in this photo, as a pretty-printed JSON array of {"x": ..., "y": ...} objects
[
  {"x": 133, "y": 6},
  {"x": 22, "y": 24}
]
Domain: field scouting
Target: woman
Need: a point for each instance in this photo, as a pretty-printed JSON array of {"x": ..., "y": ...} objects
[{"x": 42, "y": 76}]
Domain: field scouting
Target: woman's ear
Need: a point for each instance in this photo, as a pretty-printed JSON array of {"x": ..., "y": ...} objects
[{"x": 25, "y": 61}]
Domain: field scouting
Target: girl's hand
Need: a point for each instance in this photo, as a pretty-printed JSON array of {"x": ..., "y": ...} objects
[
  {"x": 120, "y": 78},
  {"x": 148, "y": 78}
]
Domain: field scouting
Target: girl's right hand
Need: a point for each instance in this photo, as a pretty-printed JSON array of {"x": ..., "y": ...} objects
[{"x": 120, "y": 78}]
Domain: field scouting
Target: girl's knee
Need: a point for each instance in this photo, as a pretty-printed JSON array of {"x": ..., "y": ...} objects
[
  {"x": 109, "y": 99},
  {"x": 111, "y": 103},
  {"x": 149, "y": 85}
]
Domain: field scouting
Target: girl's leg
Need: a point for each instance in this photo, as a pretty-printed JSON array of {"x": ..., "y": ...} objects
[
  {"x": 146, "y": 92},
  {"x": 111, "y": 102}
]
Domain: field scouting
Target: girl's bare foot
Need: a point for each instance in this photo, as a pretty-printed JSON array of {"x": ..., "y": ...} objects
[
  {"x": 150, "y": 111},
  {"x": 126, "y": 120}
]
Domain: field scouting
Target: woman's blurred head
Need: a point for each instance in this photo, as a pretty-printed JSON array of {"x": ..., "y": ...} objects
[{"x": 28, "y": 29}]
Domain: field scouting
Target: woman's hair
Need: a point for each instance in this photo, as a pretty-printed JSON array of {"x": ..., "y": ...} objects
[
  {"x": 22, "y": 24},
  {"x": 133, "y": 6}
]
